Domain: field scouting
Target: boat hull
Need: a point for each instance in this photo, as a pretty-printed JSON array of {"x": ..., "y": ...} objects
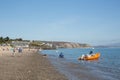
[{"x": 92, "y": 57}]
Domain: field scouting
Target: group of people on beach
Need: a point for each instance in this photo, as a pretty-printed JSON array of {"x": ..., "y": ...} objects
[
  {"x": 16, "y": 49},
  {"x": 9, "y": 49}
]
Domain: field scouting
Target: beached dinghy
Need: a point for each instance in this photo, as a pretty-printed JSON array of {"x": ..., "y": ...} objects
[{"x": 90, "y": 57}]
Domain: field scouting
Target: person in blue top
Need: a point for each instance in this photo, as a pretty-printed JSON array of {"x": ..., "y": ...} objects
[
  {"x": 20, "y": 50},
  {"x": 91, "y": 52},
  {"x": 61, "y": 55}
]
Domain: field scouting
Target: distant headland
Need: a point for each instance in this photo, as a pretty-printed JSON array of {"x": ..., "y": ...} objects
[{"x": 19, "y": 42}]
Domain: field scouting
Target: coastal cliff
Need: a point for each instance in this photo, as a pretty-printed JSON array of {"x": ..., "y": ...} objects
[
  {"x": 48, "y": 44},
  {"x": 65, "y": 44},
  {"x": 69, "y": 45}
]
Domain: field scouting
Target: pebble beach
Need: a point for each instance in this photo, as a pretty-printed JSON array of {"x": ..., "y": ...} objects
[{"x": 28, "y": 65}]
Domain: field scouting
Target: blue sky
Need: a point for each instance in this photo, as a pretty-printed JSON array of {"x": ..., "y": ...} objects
[{"x": 85, "y": 21}]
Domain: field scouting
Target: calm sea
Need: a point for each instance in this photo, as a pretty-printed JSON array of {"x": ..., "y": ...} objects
[{"x": 106, "y": 68}]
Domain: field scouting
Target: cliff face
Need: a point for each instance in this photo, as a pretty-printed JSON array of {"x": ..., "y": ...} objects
[
  {"x": 55, "y": 44},
  {"x": 70, "y": 45}
]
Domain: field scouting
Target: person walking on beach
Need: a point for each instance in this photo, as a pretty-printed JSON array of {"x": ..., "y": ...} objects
[
  {"x": 13, "y": 51},
  {"x": 20, "y": 51}
]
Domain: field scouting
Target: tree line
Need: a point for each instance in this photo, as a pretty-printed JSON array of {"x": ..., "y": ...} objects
[{"x": 8, "y": 40}]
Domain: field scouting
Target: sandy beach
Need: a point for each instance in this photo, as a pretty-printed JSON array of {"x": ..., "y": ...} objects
[{"x": 28, "y": 65}]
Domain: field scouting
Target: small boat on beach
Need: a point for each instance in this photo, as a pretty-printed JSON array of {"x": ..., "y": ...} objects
[{"x": 90, "y": 57}]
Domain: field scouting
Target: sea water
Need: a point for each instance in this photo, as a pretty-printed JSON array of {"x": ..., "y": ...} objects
[{"x": 107, "y": 67}]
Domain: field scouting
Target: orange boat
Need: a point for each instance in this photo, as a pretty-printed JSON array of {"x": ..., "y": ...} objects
[{"x": 90, "y": 57}]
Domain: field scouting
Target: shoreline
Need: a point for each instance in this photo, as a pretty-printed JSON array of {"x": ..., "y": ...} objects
[
  {"x": 84, "y": 70},
  {"x": 28, "y": 65},
  {"x": 74, "y": 71}
]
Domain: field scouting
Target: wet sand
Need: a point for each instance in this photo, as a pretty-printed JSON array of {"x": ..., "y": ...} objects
[{"x": 28, "y": 65}]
